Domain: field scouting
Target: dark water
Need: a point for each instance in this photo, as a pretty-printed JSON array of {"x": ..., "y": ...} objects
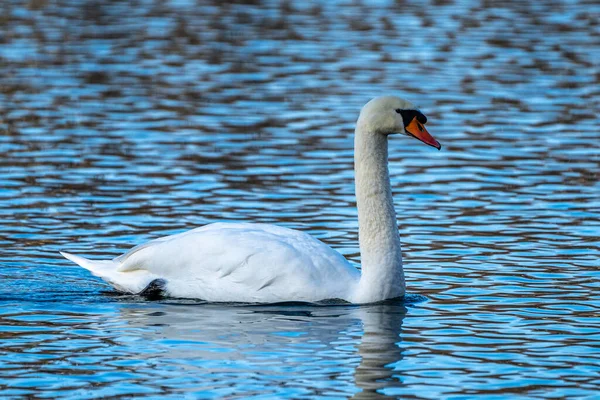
[{"x": 124, "y": 121}]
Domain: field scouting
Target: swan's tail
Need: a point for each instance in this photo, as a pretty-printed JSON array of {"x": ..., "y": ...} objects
[
  {"x": 108, "y": 270},
  {"x": 98, "y": 268}
]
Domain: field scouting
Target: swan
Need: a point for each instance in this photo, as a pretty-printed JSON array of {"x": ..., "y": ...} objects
[{"x": 262, "y": 263}]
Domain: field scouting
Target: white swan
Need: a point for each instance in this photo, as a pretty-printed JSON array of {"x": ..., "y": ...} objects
[{"x": 244, "y": 262}]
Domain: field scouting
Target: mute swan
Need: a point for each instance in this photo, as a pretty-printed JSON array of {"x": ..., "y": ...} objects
[{"x": 261, "y": 263}]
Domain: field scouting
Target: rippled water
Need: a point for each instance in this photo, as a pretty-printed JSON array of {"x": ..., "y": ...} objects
[{"x": 121, "y": 122}]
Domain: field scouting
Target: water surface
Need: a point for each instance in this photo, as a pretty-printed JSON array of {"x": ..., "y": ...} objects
[{"x": 121, "y": 122}]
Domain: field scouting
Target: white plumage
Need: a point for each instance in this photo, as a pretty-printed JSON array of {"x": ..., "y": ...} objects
[{"x": 244, "y": 262}]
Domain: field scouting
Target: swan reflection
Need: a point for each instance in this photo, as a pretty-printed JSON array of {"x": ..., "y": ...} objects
[{"x": 284, "y": 348}]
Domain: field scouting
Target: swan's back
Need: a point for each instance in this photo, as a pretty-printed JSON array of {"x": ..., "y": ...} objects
[{"x": 237, "y": 262}]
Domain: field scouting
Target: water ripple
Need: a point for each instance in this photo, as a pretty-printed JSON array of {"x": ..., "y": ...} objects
[{"x": 121, "y": 122}]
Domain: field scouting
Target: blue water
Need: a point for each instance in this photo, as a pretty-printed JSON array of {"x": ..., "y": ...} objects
[{"x": 121, "y": 122}]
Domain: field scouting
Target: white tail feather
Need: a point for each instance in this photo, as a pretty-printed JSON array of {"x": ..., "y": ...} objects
[
  {"x": 98, "y": 267},
  {"x": 131, "y": 282}
]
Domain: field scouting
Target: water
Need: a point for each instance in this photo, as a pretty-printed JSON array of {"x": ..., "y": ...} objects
[{"x": 122, "y": 122}]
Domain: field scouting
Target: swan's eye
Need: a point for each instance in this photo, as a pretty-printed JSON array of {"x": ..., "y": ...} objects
[{"x": 409, "y": 115}]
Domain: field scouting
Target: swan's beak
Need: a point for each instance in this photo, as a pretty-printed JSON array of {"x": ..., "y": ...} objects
[{"x": 418, "y": 130}]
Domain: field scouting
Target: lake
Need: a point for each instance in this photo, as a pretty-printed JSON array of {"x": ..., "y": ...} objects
[{"x": 124, "y": 121}]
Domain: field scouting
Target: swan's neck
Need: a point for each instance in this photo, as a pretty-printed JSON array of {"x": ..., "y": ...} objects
[{"x": 382, "y": 275}]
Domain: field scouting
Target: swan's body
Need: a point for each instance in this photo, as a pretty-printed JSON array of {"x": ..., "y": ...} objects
[
  {"x": 241, "y": 262},
  {"x": 235, "y": 262}
]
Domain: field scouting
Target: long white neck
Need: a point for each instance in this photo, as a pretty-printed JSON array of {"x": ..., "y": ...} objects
[{"x": 382, "y": 274}]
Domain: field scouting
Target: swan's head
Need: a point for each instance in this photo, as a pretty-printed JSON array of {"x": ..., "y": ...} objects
[{"x": 390, "y": 114}]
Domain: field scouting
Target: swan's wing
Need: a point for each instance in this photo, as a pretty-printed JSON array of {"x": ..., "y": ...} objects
[
  {"x": 245, "y": 262},
  {"x": 127, "y": 261}
]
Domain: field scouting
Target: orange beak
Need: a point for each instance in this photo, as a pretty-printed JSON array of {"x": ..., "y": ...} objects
[{"x": 416, "y": 129}]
